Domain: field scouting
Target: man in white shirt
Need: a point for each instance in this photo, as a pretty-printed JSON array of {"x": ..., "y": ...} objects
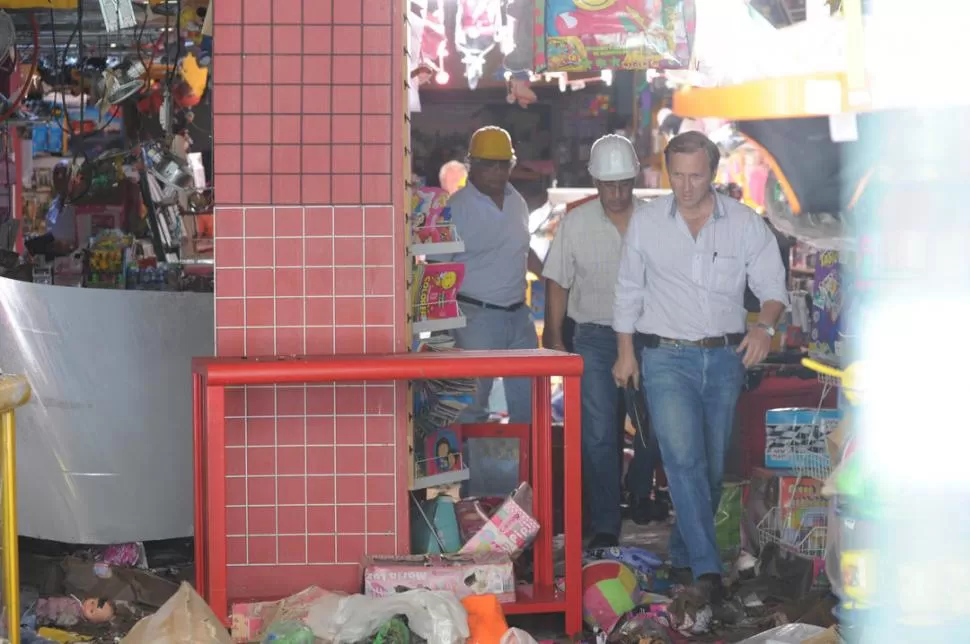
[
  {"x": 581, "y": 270},
  {"x": 681, "y": 286},
  {"x": 491, "y": 217}
]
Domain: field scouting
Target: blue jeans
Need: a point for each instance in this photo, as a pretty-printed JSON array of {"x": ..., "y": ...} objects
[
  {"x": 494, "y": 329},
  {"x": 600, "y": 427},
  {"x": 692, "y": 393}
]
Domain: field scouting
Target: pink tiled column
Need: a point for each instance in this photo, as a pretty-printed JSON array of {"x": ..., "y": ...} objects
[{"x": 309, "y": 146}]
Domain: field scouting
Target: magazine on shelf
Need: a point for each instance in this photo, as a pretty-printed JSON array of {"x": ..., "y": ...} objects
[
  {"x": 435, "y": 291},
  {"x": 438, "y": 403},
  {"x": 430, "y": 216}
]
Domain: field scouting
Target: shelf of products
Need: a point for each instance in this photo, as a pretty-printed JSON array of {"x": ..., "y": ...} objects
[{"x": 434, "y": 286}]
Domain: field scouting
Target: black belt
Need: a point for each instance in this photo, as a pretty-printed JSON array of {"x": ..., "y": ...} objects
[
  {"x": 485, "y": 305},
  {"x": 652, "y": 341}
]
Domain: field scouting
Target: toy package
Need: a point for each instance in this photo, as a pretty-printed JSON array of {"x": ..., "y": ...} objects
[
  {"x": 436, "y": 291},
  {"x": 511, "y": 529},
  {"x": 430, "y": 216},
  {"x": 461, "y": 574},
  {"x": 788, "y": 431},
  {"x": 827, "y": 305},
  {"x": 592, "y": 35},
  {"x": 442, "y": 450}
]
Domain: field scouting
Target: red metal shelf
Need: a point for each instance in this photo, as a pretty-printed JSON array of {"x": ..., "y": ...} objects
[{"x": 212, "y": 375}]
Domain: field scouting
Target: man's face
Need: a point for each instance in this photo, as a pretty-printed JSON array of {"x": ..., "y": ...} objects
[
  {"x": 616, "y": 196},
  {"x": 690, "y": 177},
  {"x": 489, "y": 176}
]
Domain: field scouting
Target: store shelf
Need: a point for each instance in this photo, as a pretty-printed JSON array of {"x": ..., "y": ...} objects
[
  {"x": 446, "y": 324},
  {"x": 811, "y": 465},
  {"x": 806, "y": 539},
  {"x": 423, "y": 248},
  {"x": 773, "y": 98},
  {"x": 438, "y": 480}
]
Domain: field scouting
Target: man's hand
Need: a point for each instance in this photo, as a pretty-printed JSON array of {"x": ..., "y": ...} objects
[
  {"x": 755, "y": 346},
  {"x": 625, "y": 370},
  {"x": 552, "y": 339}
]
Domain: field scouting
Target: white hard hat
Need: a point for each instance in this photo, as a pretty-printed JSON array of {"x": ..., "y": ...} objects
[{"x": 613, "y": 159}]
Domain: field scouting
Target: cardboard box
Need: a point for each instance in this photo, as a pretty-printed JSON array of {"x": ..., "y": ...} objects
[
  {"x": 511, "y": 529},
  {"x": 805, "y": 430},
  {"x": 461, "y": 574}
]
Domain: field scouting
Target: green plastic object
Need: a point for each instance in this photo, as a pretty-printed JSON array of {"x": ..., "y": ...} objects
[
  {"x": 727, "y": 521},
  {"x": 289, "y": 633}
]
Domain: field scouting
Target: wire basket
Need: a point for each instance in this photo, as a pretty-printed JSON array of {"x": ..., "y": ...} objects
[
  {"x": 808, "y": 463},
  {"x": 804, "y": 534}
]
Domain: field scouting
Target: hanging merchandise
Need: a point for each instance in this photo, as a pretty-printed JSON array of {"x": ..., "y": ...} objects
[
  {"x": 520, "y": 92},
  {"x": 520, "y": 23},
  {"x": 429, "y": 41},
  {"x": 590, "y": 35},
  {"x": 477, "y": 31}
]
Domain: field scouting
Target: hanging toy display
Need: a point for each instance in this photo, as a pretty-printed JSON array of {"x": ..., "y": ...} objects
[
  {"x": 428, "y": 42},
  {"x": 477, "y": 31},
  {"x": 520, "y": 23},
  {"x": 519, "y": 91}
]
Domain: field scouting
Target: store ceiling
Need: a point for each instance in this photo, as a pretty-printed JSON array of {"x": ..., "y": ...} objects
[{"x": 56, "y": 27}]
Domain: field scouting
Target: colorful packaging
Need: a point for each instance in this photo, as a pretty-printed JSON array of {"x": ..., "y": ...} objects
[
  {"x": 788, "y": 431},
  {"x": 462, "y": 574},
  {"x": 510, "y": 530},
  {"x": 589, "y": 35},
  {"x": 436, "y": 291},
  {"x": 827, "y": 304},
  {"x": 251, "y": 621},
  {"x": 430, "y": 216}
]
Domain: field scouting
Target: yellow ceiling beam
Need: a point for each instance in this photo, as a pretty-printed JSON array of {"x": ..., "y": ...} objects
[{"x": 772, "y": 98}]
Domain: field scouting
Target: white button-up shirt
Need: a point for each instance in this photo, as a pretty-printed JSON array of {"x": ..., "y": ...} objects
[
  {"x": 496, "y": 245},
  {"x": 585, "y": 258},
  {"x": 674, "y": 286}
]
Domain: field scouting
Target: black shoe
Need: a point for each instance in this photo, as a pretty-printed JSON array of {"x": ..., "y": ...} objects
[
  {"x": 642, "y": 510},
  {"x": 603, "y": 540},
  {"x": 681, "y": 576}
]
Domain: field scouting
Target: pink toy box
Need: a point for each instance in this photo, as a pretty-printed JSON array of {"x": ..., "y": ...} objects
[{"x": 463, "y": 575}]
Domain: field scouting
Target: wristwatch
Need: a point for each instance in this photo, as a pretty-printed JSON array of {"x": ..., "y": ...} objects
[{"x": 770, "y": 330}]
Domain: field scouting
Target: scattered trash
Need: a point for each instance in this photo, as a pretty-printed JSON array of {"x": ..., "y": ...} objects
[
  {"x": 184, "y": 619},
  {"x": 787, "y": 634}
]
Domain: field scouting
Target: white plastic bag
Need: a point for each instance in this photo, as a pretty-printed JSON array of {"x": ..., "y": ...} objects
[
  {"x": 517, "y": 636},
  {"x": 437, "y": 617}
]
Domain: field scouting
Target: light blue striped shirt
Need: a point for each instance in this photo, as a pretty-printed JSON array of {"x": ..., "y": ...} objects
[
  {"x": 674, "y": 286},
  {"x": 496, "y": 245}
]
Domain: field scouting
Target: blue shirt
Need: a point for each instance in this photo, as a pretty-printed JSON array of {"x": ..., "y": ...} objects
[
  {"x": 496, "y": 245},
  {"x": 677, "y": 287}
]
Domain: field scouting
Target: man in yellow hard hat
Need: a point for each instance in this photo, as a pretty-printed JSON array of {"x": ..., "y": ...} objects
[{"x": 492, "y": 219}]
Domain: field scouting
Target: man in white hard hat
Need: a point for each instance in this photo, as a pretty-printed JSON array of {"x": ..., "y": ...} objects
[
  {"x": 680, "y": 287},
  {"x": 581, "y": 270}
]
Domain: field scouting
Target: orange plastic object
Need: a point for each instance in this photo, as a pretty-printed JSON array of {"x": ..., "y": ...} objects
[{"x": 486, "y": 621}]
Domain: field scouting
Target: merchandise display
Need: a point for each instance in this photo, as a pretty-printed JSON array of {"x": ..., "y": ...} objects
[{"x": 613, "y": 34}]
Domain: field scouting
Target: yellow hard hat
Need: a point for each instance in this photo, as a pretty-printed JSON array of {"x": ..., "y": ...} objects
[{"x": 491, "y": 143}]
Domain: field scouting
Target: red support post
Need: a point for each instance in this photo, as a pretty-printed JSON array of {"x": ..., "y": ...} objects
[{"x": 212, "y": 375}]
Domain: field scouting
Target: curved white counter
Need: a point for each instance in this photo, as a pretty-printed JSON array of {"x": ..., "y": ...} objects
[{"x": 104, "y": 447}]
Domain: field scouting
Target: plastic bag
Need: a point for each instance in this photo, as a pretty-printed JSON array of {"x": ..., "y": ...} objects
[
  {"x": 727, "y": 521},
  {"x": 787, "y": 634},
  {"x": 183, "y": 619},
  {"x": 517, "y": 636},
  {"x": 436, "y": 617},
  {"x": 288, "y": 632}
]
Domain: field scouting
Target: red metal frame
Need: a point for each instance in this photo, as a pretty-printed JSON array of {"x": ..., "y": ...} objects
[
  {"x": 212, "y": 375},
  {"x": 510, "y": 430}
]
